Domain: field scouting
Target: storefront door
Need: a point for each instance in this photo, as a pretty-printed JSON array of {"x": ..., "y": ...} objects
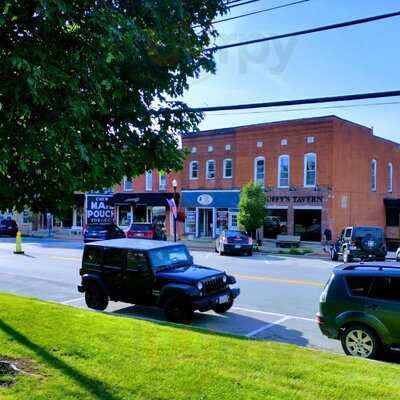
[
  {"x": 205, "y": 222},
  {"x": 233, "y": 222},
  {"x": 307, "y": 224}
]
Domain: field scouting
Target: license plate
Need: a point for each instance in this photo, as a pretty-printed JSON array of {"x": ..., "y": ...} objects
[
  {"x": 238, "y": 246},
  {"x": 223, "y": 299}
]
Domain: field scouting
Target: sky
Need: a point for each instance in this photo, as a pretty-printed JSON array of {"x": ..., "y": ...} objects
[{"x": 358, "y": 59}]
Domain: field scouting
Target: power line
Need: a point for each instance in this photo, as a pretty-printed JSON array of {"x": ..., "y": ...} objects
[
  {"x": 260, "y": 11},
  {"x": 311, "y": 108},
  {"x": 244, "y": 3},
  {"x": 308, "y": 31},
  {"x": 332, "y": 99}
]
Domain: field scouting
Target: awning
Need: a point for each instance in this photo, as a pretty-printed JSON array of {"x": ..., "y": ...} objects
[
  {"x": 394, "y": 203},
  {"x": 210, "y": 198},
  {"x": 142, "y": 199}
]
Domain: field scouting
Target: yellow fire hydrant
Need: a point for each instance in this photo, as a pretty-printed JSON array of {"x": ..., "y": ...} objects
[{"x": 18, "y": 244}]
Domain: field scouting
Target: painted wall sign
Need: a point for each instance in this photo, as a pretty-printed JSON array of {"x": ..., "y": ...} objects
[
  {"x": 295, "y": 199},
  {"x": 205, "y": 199},
  {"x": 98, "y": 210}
]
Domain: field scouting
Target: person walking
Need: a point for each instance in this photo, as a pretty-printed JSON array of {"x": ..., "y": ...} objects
[{"x": 327, "y": 240}]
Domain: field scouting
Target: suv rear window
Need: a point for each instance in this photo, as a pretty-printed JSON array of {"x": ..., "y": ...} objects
[
  {"x": 359, "y": 285},
  {"x": 96, "y": 228},
  {"x": 361, "y": 232},
  {"x": 386, "y": 288}
]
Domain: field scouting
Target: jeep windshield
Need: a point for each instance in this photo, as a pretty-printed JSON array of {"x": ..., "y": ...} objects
[{"x": 169, "y": 257}]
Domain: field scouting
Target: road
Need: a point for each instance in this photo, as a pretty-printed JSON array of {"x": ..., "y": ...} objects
[{"x": 278, "y": 301}]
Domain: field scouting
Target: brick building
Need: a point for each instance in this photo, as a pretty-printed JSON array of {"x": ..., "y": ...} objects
[{"x": 317, "y": 172}]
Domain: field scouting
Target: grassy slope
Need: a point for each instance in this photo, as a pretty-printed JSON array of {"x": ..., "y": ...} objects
[{"x": 85, "y": 355}]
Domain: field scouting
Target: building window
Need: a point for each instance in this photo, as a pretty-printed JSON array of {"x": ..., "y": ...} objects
[
  {"x": 310, "y": 170},
  {"x": 373, "y": 175},
  {"x": 259, "y": 144},
  {"x": 128, "y": 184},
  {"x": 162, "y": 182},
  {"x": 149, "y": 181},
  {"x": 194, "y": 150},
  {"x": 210, "y": 149},
  {"x": 228, "y": 173},
  {"x": 284, "y": 142},
  {"x": 227, "y": 147},
  {"x": 390, "y": 178},
  {"x": 283, "y": 171},
  {"x": 210, "y": 169},
  {"x": 259, "y": 171},
  {"x": 310, "y": 139},
  {"x": 194, "y": 170}
]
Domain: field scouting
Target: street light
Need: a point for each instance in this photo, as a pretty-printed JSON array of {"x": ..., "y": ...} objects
[{"x": 174, "y": 185}]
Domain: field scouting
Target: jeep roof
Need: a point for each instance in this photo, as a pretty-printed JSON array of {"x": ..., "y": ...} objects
[{"x": 135, "y": 244}]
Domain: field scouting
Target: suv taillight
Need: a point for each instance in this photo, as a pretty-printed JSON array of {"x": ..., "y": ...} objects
[{"x": 324, "y": 294}]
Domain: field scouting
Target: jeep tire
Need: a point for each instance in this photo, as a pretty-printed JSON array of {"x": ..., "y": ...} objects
[
  {"x": 223, "y": 308},
  {"x": 334, "y": 255},
  {"x": 95, "y": 297},
  {"x": 178, "y": 309}
]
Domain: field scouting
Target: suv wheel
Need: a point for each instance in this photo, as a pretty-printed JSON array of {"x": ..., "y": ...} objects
[
  {"x": 177, "y": 309},
  {"x": 96, "y": 298},
  {"x": 360, "y": 341},
  {"x": 223, "y": 308}
]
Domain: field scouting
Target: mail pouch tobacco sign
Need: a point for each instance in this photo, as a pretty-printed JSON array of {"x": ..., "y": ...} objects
[{"x": 98, "y": 209}]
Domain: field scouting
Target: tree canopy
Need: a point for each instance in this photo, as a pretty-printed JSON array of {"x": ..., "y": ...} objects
[
  {"x": 252, "y": 207},
  {"x": 89, "y": 89}
]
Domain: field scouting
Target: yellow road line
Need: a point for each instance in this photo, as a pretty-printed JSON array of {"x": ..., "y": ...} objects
[{"x": 279, "y": 280}]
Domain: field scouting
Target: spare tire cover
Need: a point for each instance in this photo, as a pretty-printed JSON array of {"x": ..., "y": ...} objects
[{"x": 369, "y": 243}]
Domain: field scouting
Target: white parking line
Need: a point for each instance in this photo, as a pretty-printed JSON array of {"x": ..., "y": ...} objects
[
  {"x": 72, "y": 300},
  {"x": 265, "y": 327},
  {"x": 272, "y": 313}
]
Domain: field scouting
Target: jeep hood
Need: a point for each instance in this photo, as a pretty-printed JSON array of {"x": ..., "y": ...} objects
[{"x": 188, "y": 273}]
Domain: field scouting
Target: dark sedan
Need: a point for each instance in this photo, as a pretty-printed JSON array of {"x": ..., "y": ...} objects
[
  {"x": 234, "y": 242},
  {"x": 94, "y": 233},
  {"x": 8, "y": 227}
]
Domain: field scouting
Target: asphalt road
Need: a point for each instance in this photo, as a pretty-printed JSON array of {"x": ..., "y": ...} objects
[{"x": 278, "y": 301}]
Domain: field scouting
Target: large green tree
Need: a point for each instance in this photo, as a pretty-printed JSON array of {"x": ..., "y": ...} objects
[
  {"x": 88, "y": 92},
  {"x": 252, "y": 207}
]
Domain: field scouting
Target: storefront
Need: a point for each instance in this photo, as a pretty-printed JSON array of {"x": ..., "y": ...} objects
[
  {"x": 392, "y": 229},
  {"x": 207, "y": 213}
]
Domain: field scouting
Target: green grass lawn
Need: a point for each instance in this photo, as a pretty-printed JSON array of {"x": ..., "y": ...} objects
[{"x": 86, "y": 355}]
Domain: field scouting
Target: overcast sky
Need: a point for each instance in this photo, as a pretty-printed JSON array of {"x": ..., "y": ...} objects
[{"x": 363, "y": 58}]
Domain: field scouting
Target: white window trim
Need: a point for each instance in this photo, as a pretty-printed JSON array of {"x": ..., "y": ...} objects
[
  {"x": 374, "y": 166},
  {"x": 149, "y": 189},
  {"x": 390, "y": 178},
  {"x": 125, "y": 181},
  {"x": 279, "y": 171},
  {"x": 191, "y": 170},
  {"x": 224, "y": 164},
  {"x": 215, "y": 170},
  {"x": 160, "y": 187},
  {"x": 305, "y": 170},
  {"x": 255, "y": 169}
]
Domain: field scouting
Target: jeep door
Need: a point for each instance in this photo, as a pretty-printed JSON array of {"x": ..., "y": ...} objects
[
  {"x": 138, "y": 278},
  {"x": 383, "y": 302},
  {"x": 112, "y": 271}
]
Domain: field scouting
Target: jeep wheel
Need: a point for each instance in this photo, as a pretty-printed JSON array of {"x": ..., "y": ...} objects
[
  {"x": 223, "y": 308},
  {"x": 334, "y": 255},
  {"x": 95, "y": 298},
  {"x": 359, "y": 341},
  {"x": 177, "y": 309}
]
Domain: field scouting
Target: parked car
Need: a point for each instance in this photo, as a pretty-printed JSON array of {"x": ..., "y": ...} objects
[
  {"x": 141, "y": 231},
  {"x": 93, "y": 233},
  {"x": 151, "y": 272},
  {"x": 360, "y": 306},
  {"x": 235, "y": 242},
  {"x": 8, "y": 227},
  {"x": 363, "y": 242}
]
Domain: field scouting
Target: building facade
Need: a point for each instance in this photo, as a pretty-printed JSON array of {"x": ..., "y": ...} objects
[{"x": 317, "y": 173}]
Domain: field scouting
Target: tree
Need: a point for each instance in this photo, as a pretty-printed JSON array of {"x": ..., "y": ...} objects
[
  {"x": 252, "y": 207},
  {"x": 89, "y": 89}
]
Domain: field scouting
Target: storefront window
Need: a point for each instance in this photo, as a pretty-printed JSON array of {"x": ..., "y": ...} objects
[
  {"x": 190, "y": 221},
  {"x": 283, "y": 178},
  {"x": 392, "y": 217},
  {"x": 307, "y": 224},
  {"x": 123, "y": 217},
  {"x": 275, "y": 223},
  {"x": 310, "y": 170},
  {"x": 222, "y": 220},
  {"x": 140, "y": 214}
]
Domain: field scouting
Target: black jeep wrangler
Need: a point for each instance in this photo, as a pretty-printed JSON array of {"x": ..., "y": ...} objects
[
  {"x": 363, "y": 242},
  {"x": 150, "y": 272}
]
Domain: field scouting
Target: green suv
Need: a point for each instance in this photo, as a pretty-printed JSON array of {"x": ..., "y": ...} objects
[{"x": 360, "y": 306}]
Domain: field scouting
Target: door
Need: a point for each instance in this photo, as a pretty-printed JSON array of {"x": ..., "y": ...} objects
[
  {"x": 233, "y": 222},
  {"x": 383, "y": 302},
  {"x": 138, "y": 278},
  {"x": 113, "y": 266},
  {"x": 205, "y": 222}
]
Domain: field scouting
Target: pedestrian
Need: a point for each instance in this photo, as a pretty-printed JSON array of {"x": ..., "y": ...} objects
[{"x": 327, "y": 239}]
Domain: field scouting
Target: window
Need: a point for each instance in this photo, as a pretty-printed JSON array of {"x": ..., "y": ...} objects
[
  {"x": 283, "y": 171},
  {"x": 390, "y": 178},
  {"x": 149, "y": 181},
  {"x": 234, "y": 221},
  {"x": 92, "y": 255},
  {"x": 136, "y": 261},
  {"x": 392, "y": 217},
  {"x": 259, "y": 144},
  {"x": 359, "y": 285},
  {"x": 348, "y": 232},
  {"x": 162, "y": 182},
  {"x": 310, "y": 170},
  {"x": 194, "y": 150},
  {"x": 373, "y": 175},
  {"x": 284, "y": 142},
  {"x": 386, "y": 288},
  {"x": 194, "y": 170},
  {"x": 123, "y": 215},
  {"x": 113, "y": 258},
  {"x": 128, "y": 184},
  {"x": 310, "y": 139},
  {"x": 227, "y": 147},
  {"x": 228, "y": 173},
  {"x": 259, "y": 170},
  {"x": 210, "y": 169},
  {"x": 210, "y": 149}
]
